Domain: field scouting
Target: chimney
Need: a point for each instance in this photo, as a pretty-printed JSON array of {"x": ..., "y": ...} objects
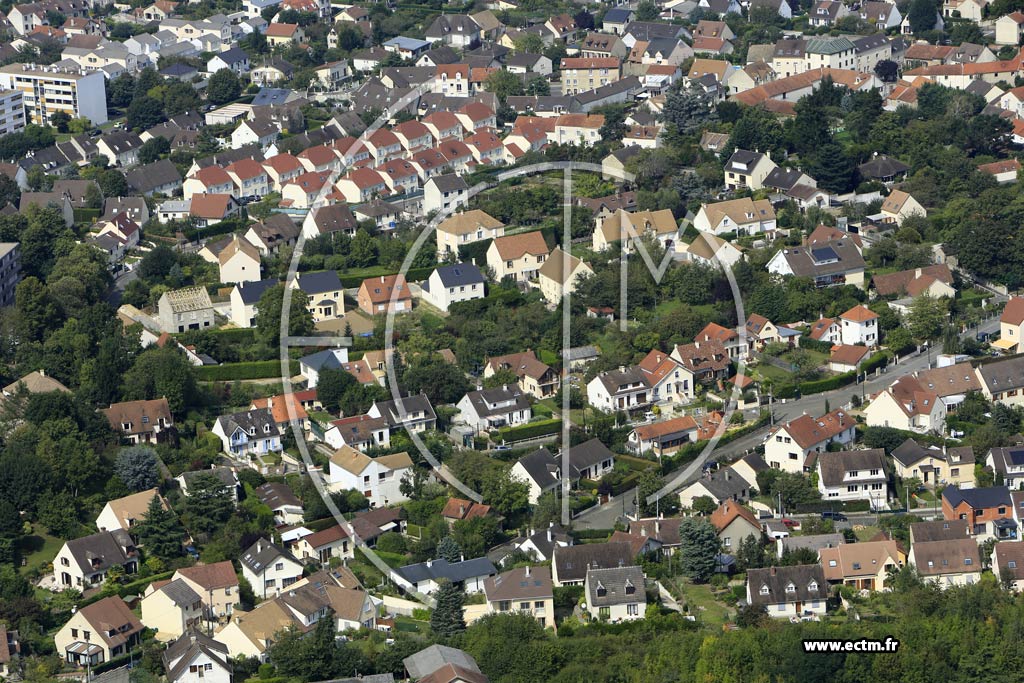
[
  {"x": 917, "y": 272},
  {"x": 430, "y": 563},
  {"x": 462, "y": 510},
  {"x": 527, "y": 571},
  {"x": 462, "y": 558},
  {"x": 549, "y": 534},
  {"x": 774, "y": 571}
]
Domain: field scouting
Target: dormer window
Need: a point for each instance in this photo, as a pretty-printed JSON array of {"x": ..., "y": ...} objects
[
  {"x": 764, "y": 590},
  {"x": 790, "y": 587},
  {"x": 630, "y": 588},
  {"x": 601, "y": 591}
]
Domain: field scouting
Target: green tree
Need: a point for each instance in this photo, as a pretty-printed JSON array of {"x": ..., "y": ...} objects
[
  {"x": 59, "y": 513},
  {"x": 751, "y": 553},
  {"x": 448, "y": 549},
  {"x": 926, "y": 318},
  {"x": 698, "y": 548},
  {"x": 447, "y": 621},
  {"x": 833, "y": 168},
  {"x": 208, "y": 504},
  {"x": 922, "y": 15},
  {"x": 160, "y": 532},
  {"x": 223, "y": 87},
  {"x": 60, "y": 121},
  {"x": 503, "y": 84},
  {"x": 268, "y": 316},
  {"x": 703, "y": 505},
  {"x": 144, "y": 112},
  {"x": 649, "y": 483},
  {"x": 112, "y": 183},
  {"x": 688, "y": 108},
  {"x": 153, "y": 149},
  {"x": 136, "y": 467},
  {"x": 162, "y": 373},
  {"x": 647, "y": 11},
  {"x": 331, "y": 387}
]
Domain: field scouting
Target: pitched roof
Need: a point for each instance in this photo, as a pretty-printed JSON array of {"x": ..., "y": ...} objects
[
  {"x": 132, "y": 508},
  {"x": 143, "y": 415},
  {"x": 572, "y": 562},
  {"x": 847, "y": 354},
  {"x": 950, "y": 380},
  {"x": 616, "y": 586},
  {"x": 112, "y": 620},
  {"x": 954, "y": 556},
  {"x": 522, "y": 583},
  {"x": 728, "y": 511},
  {"x": 513, "y": 247},
  {"x": 807, "y": 581},
  {"x": 864, "y": 559},
  {"x": 808, "y": 431},
  {"x": 383, "y": 289},
  {"x": 211, "y": 576},
  {"x": 740, "y": 211},
  {"x": 832, "y": 467},
  {"x": 977, "y": 498}
]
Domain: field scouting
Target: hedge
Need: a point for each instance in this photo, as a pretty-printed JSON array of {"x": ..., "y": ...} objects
[
  {"x": 348, "y": 281},
  {"x": 531, "y": 430},
  {"x": 258, "y": 369},
  {"x": 880, "y": 359},
  {"x": 838, "y": 506},
  {"x": 690, "y": 451},
  {"x": 815, "y": 345},
  {"x": 86, "y": 215}
]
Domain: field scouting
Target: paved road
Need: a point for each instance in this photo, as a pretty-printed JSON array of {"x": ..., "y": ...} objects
[
  {"x": 605, "y": 516},
  {"x": 120, "y": 282}
]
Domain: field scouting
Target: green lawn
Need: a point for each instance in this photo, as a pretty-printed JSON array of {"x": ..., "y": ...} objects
[
  {"x": 776, "y": 375},
  {"x": 542, "y": 409},
  {"x": 702, "y": 603},
  {"x": 39, "y": 548},
  {"x": 410, "y": 625},
  {"x": 866, "y": 533}
]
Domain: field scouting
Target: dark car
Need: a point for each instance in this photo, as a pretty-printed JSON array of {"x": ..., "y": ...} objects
[{"x": 834, "y": 516}]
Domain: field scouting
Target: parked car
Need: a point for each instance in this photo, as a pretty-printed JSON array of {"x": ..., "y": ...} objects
[
  {"x": 834, "y": 516},
  {"x": 790, "y": 523}
]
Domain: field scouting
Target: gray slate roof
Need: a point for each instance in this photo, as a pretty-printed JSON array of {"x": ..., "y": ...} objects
[
  {"x": 777, "y": 579},
  {"x": 616, "y": 586},
  {"x": 252, "y": 291},
  {"x": 436, "y": 570},
  {"x": 426, "y": 662},
  {"x": 263, "y": 553},
  {"x": 572, "y": 562}
]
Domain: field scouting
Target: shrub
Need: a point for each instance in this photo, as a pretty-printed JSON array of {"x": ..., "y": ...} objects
[{"x": 530, "y": 431}]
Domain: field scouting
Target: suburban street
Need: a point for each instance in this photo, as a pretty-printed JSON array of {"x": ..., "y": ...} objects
[{"x": 605, "y": 516}]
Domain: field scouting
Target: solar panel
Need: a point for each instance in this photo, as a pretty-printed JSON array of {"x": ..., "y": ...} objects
[{"x": 822, "y": 254}]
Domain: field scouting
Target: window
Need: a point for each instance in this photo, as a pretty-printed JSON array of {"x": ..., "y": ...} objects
[
  {"x": 790, "y": 587},
  {"x": 632, "y": 609},
  {"x": 968, "y": 561},
  {"x": 764, "y": 590},
  {"x": 1012, "y": 564},
  {"x": 279, "y": 566},
  {"x": 74, "y": 632}
]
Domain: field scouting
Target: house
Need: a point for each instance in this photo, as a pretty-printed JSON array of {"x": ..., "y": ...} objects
[
  {"x": 907, "y": 405},
  {"x": 144, "y": 421},
  {"x": 734, "y": 524},
  {"x": 159, "y": 177},
  {"x": 187, "y": 481},
  {"x": 453, "y": 284},
  {"x": 1004, "y": 171},
  {"x": 859, "y": 326},
  {"x": 256, "y": 131},
  {"x": 710, "y": 250},
  {"x": 935, "y": 466},
  {"x": 883, "y": 168},
  {"x": 540, "y": 545},
  {"x": 325, "y": 295},
  {"x": 743, "y": 216},
  {"x": 384, "y": 294},
  {"x": 489, "y": 409},
  {"x": 624, "y": 389},
  {"x": 116, "y": 628},
  {"x": 35, "y": 382},
  {"x": 239, "y": 261},
  {"x": 670, "y": 382},
  {"x": 535, "y": 378},
  {"x": 465, "y": 227},
  {"x": 1010, "y": 29},
  {"x": 761, "y": 332},
  {"x": 788, "y": 446},
  {"x": 250, "y": 634},
  {"x": 846, "y": 358},
  {"x": 616, "y": 594},
  {"x": 196, "y": 656},
  {"x": 459, "y": 509},
  {"x": 708, "y": 361},
  {"x": 412, "y": 413},
  {"x": 539, "y": 470},
  {"x": 722, "y": 486},
  {"x": 853, "y": 475},
  {"x": 426, "y": 577},
  {"x": 234, "y": 59},
  {"x": 560, "y": 274},
  {"x": 948, "y": 563},
  {"x": 830, "y": 264},
  {"x": 525, "y": 590},
  {"x": 248, "y": 434},
  {"x": 83, "y": 562},
  {"x": 1011, "y": 325},
  {"x": 950, "y": 383},
  {"x": 864, "y": 566},
  {"x": 1008, "y": 465},
  {"x": 626, "y": 227},
  {"x": 439, "y": 663},
  {"x": 127, "y": 512},
  {"x": 1008, "y": 564},
  {"x": 899, "y": 206},
  {"x": 747, "y": 170},
  {"x": 570, "y": 564},
  {"x": 185, "y": 309},
  {"x": 172, "y": 608},
  {"x": 245, "y": 297},
  {"x": 379, "y": 478},
  {"x": 988, "y": 511},
  {"x": 216, "y": 584},
  {"x": 121, "y": 148},
  {"x": 786, "y": 592},
  {"x": 284, "y": 34},
  {"x": 444, "y": 194},
  {"x": 459, "y": 31},
  {"x": 269, "y": 569},
  {"x": 517, "y": 256},
  {"x": 321, "y": 546},
  {"x": 935, "y": 281},
  {"x": 663, "y": 438}
]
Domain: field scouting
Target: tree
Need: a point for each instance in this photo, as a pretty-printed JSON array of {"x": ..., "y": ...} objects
[
  {"x": 887, "y": 70},
  {"x": 750, "y": 554},
  {"x": 153, "y": 148},
  {"x": 121, "y": 90},
  {"x": 698, "y": 546},
  {"x": 318, "y": 655},
  {"x": 157, "y": 263},
  {"x": 703, "y": 505},
  {"x": 136, "y": 467},
  {"x": 833, "y": 168},
  {"x": 503, "y": 84},
  {"x": 209, "y": 503},
  {"x": 268, "y": 316},
  {"x": 94, "y": 195},
  {"x": 530, "y": 43},
  {"x": 112, "y": 183},
  {"x": 922, "y": 15},
  {"x": 506, "y": 494},
  {"x": 614, "y": 127},
  {"x": 648, "y": 483},
  {"x": 647, "y": 11},
  {"x": 144, "y": 112},
  {"x": 448, "y": 549},
  {"x": 447, "y": 621},
  {"x": 223, "y": 87},
  {"x": 688, "y": 109},
  {"x": 162, "y": 373},
  {"x": 59, "y": 513},
  {"x": 538, "y": 86},
  {"x": 752, "y": 616},
  {"x": 160, "y": 533},
  {"x": 60, "y": 121},
  {"x": 332, "y": 385},
  {"x": 926, "y": 318}
]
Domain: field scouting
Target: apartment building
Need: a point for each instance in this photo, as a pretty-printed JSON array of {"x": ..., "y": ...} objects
[
  {"x": 47, "y": 90},
  {"x": 10, "y": 271},
  {"x": 12, "y": 111}
]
